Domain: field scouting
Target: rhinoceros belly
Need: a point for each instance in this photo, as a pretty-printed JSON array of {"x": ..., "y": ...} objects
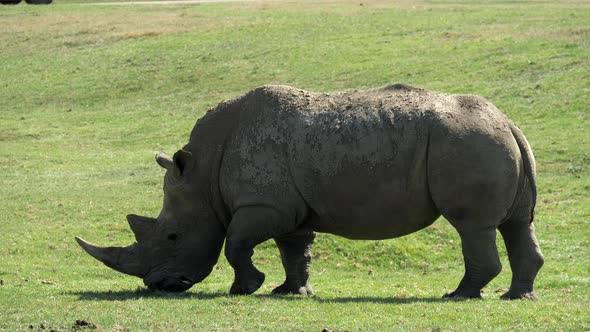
[
  {"x": 370, "y": 213},
  {"x": 364, "y": 176}
]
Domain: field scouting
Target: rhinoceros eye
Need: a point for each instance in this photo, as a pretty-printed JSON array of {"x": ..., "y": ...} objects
[{"x": 172, "y": 237}]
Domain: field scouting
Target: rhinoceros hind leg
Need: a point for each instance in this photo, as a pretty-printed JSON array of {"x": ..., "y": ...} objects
[
  {"x": 482, "y": 263},
  {"x": 249, "y": 227},
  {"x": 525, "y": 258},
  {"x": 295, "y": 251}
]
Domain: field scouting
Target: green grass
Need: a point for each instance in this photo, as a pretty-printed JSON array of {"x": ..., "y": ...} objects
[{"x": 89, "y": 94}]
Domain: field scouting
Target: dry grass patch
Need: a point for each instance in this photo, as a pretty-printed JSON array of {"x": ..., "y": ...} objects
[{"x": 103, "y": 27}]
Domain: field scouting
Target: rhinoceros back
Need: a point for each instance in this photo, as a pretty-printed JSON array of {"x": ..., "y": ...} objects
[
  {"x": 359, "y": 161},
  {"x": 352, "y": 164}
]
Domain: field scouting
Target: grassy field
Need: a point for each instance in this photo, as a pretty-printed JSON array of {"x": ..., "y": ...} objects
[{"x": 89, "y": 94}]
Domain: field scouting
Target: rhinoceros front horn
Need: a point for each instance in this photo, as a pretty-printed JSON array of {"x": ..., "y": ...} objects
[{"x": 122, "y": 259}]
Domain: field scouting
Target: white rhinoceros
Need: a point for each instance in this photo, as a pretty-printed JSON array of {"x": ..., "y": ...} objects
[{"x": 282, "y": 163}]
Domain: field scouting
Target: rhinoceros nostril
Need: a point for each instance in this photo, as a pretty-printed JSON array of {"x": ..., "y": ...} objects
[
  {"x": 177, "y": 287},
  {"x": 156, "y": 285}
]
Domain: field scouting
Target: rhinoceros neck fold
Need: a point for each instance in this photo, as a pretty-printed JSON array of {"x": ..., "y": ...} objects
[{"x": 207, "y": 144}]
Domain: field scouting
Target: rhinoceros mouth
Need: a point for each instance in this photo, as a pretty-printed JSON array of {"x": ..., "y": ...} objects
[
  {"x": 187, "y": 282},
  {"x": 171, "y": 284}
]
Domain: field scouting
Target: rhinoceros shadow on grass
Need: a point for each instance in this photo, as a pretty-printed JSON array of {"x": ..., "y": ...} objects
[
  {"x": 133, "y": 295},
  {"x": 144, "y": 293},
  {"x": 282, "y": 163}
]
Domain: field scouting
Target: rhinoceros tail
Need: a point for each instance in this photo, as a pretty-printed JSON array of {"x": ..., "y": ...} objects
[{"x": 530, "y": 169}]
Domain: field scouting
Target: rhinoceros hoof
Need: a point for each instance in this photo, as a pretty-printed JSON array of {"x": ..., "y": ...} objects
[
  {"x": 458, "y": 295},
  {"x": 247, "y": 285},
  {"x": 290, "y": 289},
  {"x": 519, "y": 296}
]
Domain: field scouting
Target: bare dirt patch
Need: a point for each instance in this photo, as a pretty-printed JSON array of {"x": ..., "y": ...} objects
[{"x": 82, "y": 324}]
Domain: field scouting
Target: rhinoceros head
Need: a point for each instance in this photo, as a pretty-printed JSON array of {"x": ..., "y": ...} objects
[{"x": 181, "y": 246}]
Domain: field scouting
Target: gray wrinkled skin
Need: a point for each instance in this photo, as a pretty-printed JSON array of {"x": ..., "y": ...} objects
[{"x": 282, "y": 163}]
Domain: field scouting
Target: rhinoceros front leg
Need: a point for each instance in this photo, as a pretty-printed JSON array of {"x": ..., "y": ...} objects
[
  {"x": 295, "y": 251},
  {"x": 249, "y": 227}
]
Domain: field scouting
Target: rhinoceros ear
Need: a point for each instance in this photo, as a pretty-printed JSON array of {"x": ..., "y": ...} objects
[
  {"x": 142, "y": 227},
  {"x": 163, "y": 160},
  {"x": 183, "y": 162}
]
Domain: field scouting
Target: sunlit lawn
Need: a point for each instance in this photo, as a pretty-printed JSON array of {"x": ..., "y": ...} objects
[{"x": 89, "y": 94}]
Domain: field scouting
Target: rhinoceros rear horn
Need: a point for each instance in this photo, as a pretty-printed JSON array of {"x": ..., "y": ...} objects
[
  {"x": 122, "y": 259},
  {"x": 142, "y": 227}
]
